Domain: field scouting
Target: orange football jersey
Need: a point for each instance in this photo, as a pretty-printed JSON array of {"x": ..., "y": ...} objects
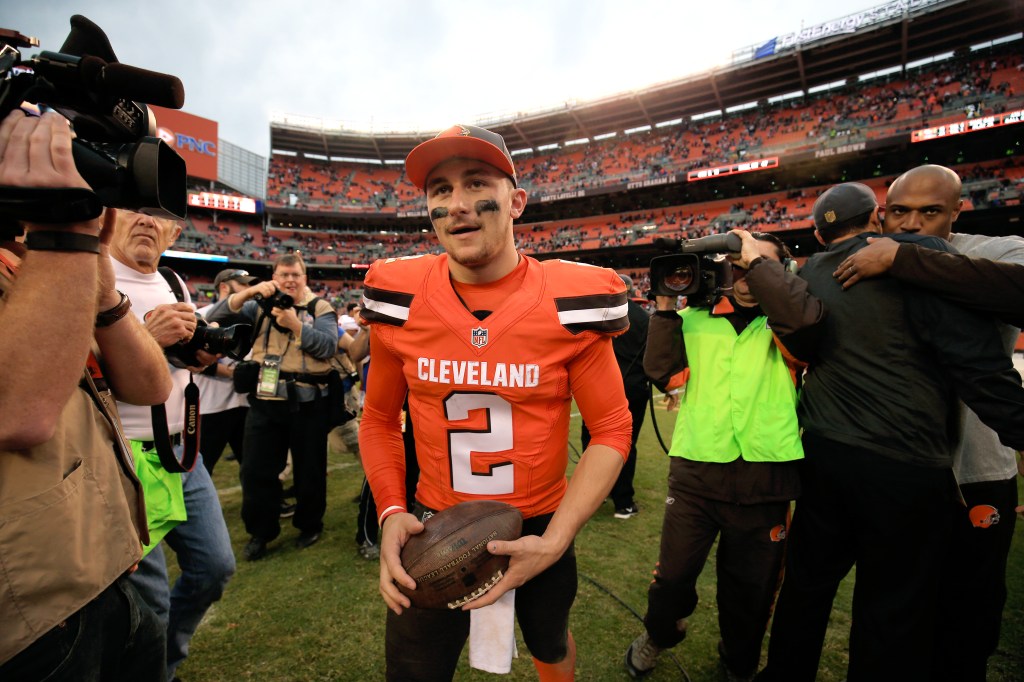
[{"x": 489, "y": 398}]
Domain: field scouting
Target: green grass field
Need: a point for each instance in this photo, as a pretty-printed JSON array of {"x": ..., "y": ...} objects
[{"x": 315, "y": 614}]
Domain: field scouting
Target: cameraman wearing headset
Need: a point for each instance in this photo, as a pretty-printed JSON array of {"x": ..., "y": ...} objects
[
  {"x": 734, "y": 454},
  {"x": 72, "y": 519},
  {"x": 295, "y": 339}
]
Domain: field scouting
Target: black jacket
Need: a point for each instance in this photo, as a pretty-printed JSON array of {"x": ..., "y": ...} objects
[{"x": 891, "y": 359}]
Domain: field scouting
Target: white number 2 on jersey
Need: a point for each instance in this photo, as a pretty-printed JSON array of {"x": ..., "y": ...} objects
[{"x": 500, "y": 480}]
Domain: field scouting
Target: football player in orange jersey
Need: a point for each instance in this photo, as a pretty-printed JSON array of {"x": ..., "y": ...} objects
[{"x": 492, "y": 347}]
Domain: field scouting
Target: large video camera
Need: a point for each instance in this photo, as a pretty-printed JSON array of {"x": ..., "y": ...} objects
[
  {"x": 697, "y": 268},
  {"x": 116, "y": 149},
  {"x": 232, "y": 341}
]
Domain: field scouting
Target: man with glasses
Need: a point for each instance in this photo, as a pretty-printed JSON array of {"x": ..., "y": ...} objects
[{"x": 293, "y": 345}]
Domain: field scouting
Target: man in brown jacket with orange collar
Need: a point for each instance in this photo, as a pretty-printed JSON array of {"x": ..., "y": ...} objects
[{"x": 72, "y": 519}]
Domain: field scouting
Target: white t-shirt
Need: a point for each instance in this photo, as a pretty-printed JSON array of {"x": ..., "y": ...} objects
[
  {"x": 146, "y": 292},
  {"x": 980, "y": 456}
]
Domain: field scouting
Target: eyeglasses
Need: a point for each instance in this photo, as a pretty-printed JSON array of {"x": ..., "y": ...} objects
[
  {"x": 235, "y": 274},
  {"x": 289, "y": 275}
]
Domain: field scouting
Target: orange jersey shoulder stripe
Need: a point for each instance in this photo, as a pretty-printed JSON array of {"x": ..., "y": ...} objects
[{"x": 490, "y": 399}]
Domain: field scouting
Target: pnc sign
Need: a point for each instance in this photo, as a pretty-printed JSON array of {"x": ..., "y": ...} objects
[
  {"x": 182, "y": 142},
  {"x": 193, "y": 137}
]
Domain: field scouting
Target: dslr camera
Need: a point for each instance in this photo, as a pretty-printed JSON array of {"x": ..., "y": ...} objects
[
  {"x": 232, "y": 341},
  {"x": 278, "y": 300},
  {"x": 115, "y": 148},
  {"x": 696, "y": 268}
]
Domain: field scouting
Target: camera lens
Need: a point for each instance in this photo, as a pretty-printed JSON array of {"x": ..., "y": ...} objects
[{"x": 679, "y": 279}]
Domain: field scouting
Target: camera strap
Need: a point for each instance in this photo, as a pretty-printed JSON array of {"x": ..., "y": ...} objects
[
  {"x": 50, "y": 204},
  {"x": 190, "y": 434},
  {"x": 173, "y": 282}
]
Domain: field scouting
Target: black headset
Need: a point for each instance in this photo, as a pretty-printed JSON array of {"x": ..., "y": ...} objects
[{"x": 785, "y": 255}]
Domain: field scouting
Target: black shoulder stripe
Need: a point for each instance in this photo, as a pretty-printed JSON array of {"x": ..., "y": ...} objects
[
  {"x": 598, "y": 312},
  {"x": 386, "y": 307}
]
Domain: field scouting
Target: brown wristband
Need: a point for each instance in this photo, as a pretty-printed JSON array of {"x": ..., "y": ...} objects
[{"x": 109, "y": 317}]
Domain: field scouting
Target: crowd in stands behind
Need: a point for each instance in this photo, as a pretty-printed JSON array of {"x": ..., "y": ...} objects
[
  {"x": 990, "y": 184},
  {"x": 932, "y": 94},
  {"x": 896, "y": 104}
]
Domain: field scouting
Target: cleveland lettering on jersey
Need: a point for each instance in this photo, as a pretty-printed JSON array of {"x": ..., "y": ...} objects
[{"x": 477, "y": 373}]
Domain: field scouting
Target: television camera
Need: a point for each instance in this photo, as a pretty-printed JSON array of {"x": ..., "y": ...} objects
[
  {"x": 115, "y": 149},
  {"x": 695, "y": 268}
]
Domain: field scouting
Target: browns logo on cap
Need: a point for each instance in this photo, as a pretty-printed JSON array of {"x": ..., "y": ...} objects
[
  {"x": 843, "y": 204},
  {"x": 459, "y": 141}
]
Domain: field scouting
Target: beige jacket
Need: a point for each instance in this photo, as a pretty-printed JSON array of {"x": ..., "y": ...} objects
[{"x": 72, "y": 517}]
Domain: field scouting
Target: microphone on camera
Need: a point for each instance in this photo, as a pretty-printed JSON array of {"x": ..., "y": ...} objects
[
  {"x": 131, "y": 82},
  {"x": 667, "y": 243},
  {"x": 713, "y": 243}
]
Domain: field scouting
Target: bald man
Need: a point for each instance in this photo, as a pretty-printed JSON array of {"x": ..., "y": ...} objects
[
  {"x": 926, "y": 200},
  {"x": 875, "y": 411},
  {"x": 974, "y": 277}
]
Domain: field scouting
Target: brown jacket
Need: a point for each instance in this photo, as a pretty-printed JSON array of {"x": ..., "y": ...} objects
[{"x": 71, "y": 517}]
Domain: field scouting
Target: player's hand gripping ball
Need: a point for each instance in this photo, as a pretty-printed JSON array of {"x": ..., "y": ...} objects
[{"x": 449, "y": 560}]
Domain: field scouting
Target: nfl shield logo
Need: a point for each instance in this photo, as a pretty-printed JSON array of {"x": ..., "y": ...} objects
[{"x": 479, "y": 337}]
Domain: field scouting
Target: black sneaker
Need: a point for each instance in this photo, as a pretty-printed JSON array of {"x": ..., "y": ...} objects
[
  {"x": 287, "y": 510},
  {"x": 627, "y": 512},
  {"x": 255, "y": 549},
  {"x": 307, "y": 539}
]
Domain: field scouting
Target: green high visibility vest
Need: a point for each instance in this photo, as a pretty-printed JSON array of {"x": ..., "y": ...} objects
[{"x": 740, "y": 400}]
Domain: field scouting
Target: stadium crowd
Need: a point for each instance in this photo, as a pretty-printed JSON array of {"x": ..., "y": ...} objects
[
  {"x": 989, "y": 184},
  {"x": 928, "y": 96}
]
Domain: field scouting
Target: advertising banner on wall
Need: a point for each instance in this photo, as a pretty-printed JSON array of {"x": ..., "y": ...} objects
[{"x": 193, "y": 137}]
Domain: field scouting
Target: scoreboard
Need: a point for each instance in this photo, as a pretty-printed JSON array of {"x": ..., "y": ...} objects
[
  {"x": 223, "y": 202},
  {"x": 969, "y": 125}
]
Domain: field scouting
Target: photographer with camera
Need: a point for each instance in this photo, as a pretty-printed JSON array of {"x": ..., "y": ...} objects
[
  {"x": 72, "y": 517},
  {"x": 184, "y": 507},
  {"x": 223, "y": 410},
  {"x": 735, "y": 447},
  {"x": 296, "y": 338}
]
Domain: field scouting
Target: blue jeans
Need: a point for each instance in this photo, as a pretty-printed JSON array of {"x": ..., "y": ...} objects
[
  {"x": 207, "y": 563},
  {"x": 115, "y": 637}
]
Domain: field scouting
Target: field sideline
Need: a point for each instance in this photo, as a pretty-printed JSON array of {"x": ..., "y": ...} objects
[{"x": 316, "y": 615}]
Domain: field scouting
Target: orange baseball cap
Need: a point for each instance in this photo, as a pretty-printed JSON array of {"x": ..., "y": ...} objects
[{"x": 467, "y": 142}]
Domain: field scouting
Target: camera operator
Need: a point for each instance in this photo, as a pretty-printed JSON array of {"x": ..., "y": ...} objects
[
  {"x": 187, "y": 512},
  {"x": 296, "y": 338},
  {"x": 72, "y": 519},
  {"x": 734, "y": 454}
]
